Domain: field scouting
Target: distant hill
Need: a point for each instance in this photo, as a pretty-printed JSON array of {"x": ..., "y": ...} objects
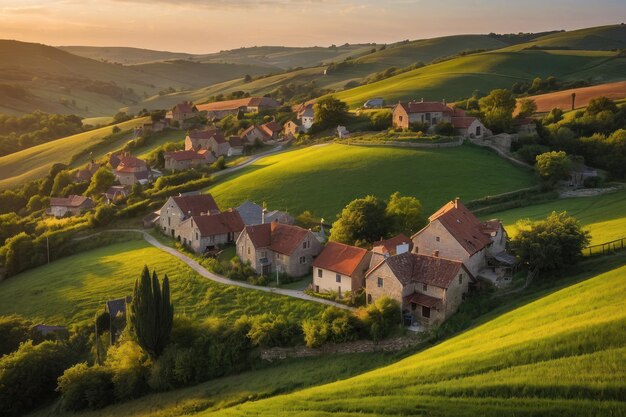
[
  {"x": 123, "y": 55},
  {"x": 601, "y": 38}
]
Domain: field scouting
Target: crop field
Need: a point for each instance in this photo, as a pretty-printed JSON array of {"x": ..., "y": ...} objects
[
  {"x": 71, "y": 289},
  {"x": 604, "y": 216},
  {"x": 35, "y": 162},
  {"x": 323, "y": 179},
  {"x": 561, "y": 355}
]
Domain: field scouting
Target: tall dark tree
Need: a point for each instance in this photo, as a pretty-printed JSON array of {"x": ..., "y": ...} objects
[
  {"x": 361, "y": 222},
  {"x": 150, "y": 313}
]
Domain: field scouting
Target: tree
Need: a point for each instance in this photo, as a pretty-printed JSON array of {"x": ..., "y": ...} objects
[
  {"x": 362, "y": 221},
  {"x": 552, "y": 243},
  {"x": 100, "y": 182},
  {"x": 157, "y": 115},
  {"x": 19, "y": 254},
  {"x": 121, "y": 117},
  {"x": 405, "y": 213},
  {"x": 553, "y": 166},
  {"x": 62, "y": 180},
  {"x": 555, "y": 115},
  {"x": 330, "y": 112},
  {"x": 150, "y": 313},
  {"x": 600, "y": 104},
  {"x": 13, "y": 331},
  {"x": 497, "y": 109},
  {"x": 528, "y": 107},
  {"x": 444, "y": 129},
  {"x": 247, "y": 78}
]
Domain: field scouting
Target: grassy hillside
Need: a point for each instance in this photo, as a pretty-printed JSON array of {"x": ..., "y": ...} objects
[
  {"x": 604, "y": 216},
  {"x": 458, "y": 78},
  {"x": 562, "y": 354},
  {"x": 123, "y": 55},
  {"x": 35, "y": 162},
  {"x": 323, "y": 179},
  {"x": 69, "y": 290},
  {"x": 603, "y": 38}
]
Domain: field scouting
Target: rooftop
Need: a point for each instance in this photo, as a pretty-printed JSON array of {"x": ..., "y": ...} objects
[{"x": 340, "y": 258}]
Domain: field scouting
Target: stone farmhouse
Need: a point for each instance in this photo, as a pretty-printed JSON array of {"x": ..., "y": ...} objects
[
  {"x": 525, "y": 126},
  {"x": 272, "y": 247},
  {"x": 69, "y": 206},
  {"x": 453, "y": 232},
  {"x": 429, "y": 288},
  {"x": 253, "y": 214},
  {"x": 431, "y": 113},
  {"x": 252, "y": 134},
  {"x": 180, "y": 160},
  {"x": 272, "y": 130},
  {"x": 130, "y": 170},
  {"x": 305, "y": 116},
  {"x": 178, "y": 209},
  {"x": 205, "y": 232},
  {"x": 340, "y": 268},
  {"x": 210, "y": 139},
  {"x": 236, "y": 146},
  {"x": 181, "y": 112}
]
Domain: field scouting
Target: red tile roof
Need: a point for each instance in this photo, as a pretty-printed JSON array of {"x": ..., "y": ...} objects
[
  {"x": 462, "y": 122},
  {"x": 131, "y": 164},
  {"x": 235, "y": 142},
  {"x": 422, "y": 300},
  {"x": 340, "y": 258},
  {"x": 184, "y": 107},
  {"x": 219, "y": 224},
  {"x": 196, "y": 204},
  {"x": 185, "y": 155},
  {"x": 463, "y": 226},
  {"x": 281, "y": 238},
  {"x": 203, "y": 133},
  {"x": 71, "y": 201},
  {"x": 426, "y": 107},
  {"x": 415, "y": 268},
  {"x": 390, "y": 245},
  {"x": 270, "y": 128}
]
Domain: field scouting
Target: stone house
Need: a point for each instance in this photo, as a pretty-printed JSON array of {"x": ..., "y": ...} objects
[
  {"x": 117, "y": 317},
  {"x": 271, "y": 247},
  {"x": 115, "y": 193},
  {"x": 340, "y": 268},
  {"x": 469, "y": 127},
  {"x": 429, "y": 289},
  {"x": 208, "y": 231},
  {"x": 85, "y": 174},
  {"x": 131, "y": 170},
  {"x": 236, "y": 146},
  {"x": 177, "y": 209},
  {"x": 210, "y": 138},
  {"x": 181, "y": 112},
  {"x": 218, "y": 145},
  {"x": 221, "y": 109},
  {"x": 453, "y": 232},
  {"x": 395, "y": 245},
  {"x": 69, "y": 206},
  {"x": 180, "y": 160},
  {"x": 251, "y": 134},
  {"x": 292, "y": 128},
  {"x": 305, "y": 113},
  {"x": 429, "y": 112},
  {"x": 253, "y": 214},
  {"x": 258, "y": 104},
  {"x": 525, "y": 126},
  {"x": 271, "y": 129}
]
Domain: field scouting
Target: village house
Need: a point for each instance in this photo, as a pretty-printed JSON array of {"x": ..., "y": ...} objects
[
  {"x": 342, "y": 132},
  {"x": 180, "y": 160},
  {"x": 292, "y": 128},
  {"x": 211, "y": 139},
  {"x": 236, "y": 146},
  {"x": 340, "y": 268},
  {"x": 390, "y": 247},
  {"x": 305, "y": 113},
  {"x": 276, "y": 247},
  {"x": 469, "y": 127},
  {"x": 131, "y": 170},
  {"x": 252, "y": 134},
  {"x": 429, "y": 289},
  {"x": 271, "y": 130},
  {"x": 85, "y": 174},
  {"x": 178, "y": 209},
  {"x": 115, "y": 193},
  {"x": 209, "y": 231},
  {"x": 453, "y": 232},
  {"x": 525, "y": 126},
  {"x": 253, "y": 214},
  {"x": 69, "y": 206},
  {"x": 181, "y": 112}
]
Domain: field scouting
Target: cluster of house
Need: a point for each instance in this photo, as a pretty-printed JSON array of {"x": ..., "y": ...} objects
[{"x": 429, "y": 273}]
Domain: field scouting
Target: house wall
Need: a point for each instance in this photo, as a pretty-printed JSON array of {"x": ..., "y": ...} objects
[
  {"x": 126, "y": 178},
  {"x": 307, "y": 122},
  {"x": 171, "y": 216},
  {"x": 453, "y": 296},
  {"x": 328, "y": 280},
  {"x": 499, "y": 242},
  {"x": 391, "y": 286},
  {"x": 232, "y": 151},
  {"x": 293, "y": 266},
  {"x": 400, "y": 117},
  {"x": 248, "y": 253},
  {"x": 435, "y": 117}
]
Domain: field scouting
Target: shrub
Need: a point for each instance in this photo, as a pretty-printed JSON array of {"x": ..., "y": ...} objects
[
  {"x": 261, "y": 280},
  {"x": 269, "y": 330},
  {"x": 82, "y": 386},
  {"x": 380, "y": 317},
  {"x": 418, "y": 127},
  {"x": 444, "y": 129},
  {"x": 128, "y": 365},
  {"x": 13, "y": 331},
  {"x": 315, "y": 333}
]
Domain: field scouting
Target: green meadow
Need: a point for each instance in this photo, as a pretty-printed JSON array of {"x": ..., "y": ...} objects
[
  {"x": 71, "y": 289},
  {"x": 604, "y": 216},
  {"x": 560, "y": 355},
  {"x": 323, "y": 179}
]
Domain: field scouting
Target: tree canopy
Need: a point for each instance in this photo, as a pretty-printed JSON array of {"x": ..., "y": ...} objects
[
  {"x": 553, "y": 166},
  {"x": 330, "y": 112}
]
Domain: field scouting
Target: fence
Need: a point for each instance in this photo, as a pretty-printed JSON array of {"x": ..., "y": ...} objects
[{"x": 605, "y": 248}]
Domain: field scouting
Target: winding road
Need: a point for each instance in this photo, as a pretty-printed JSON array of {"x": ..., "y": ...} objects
[{"x": 218, "y": 278}]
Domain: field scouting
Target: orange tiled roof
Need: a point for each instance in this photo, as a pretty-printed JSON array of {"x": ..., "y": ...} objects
[
  {"x": 340, "y": 258},
  {"x": 426, "y": 106},
  {"x": 196, "y": 204},
  {"x": 279, "y": 237},
  {"x": 219, "y": 224},
  {"x": 390, "y": 245}
]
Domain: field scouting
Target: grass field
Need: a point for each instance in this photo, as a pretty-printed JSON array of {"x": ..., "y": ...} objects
[
  {"x": 323, "y": 179},
  {"x": 284, "y": 377},
  {"x": 561, "y": 355},
  {"x": 604, "y": 216},
  {"x": 35, "y": 162},
  {"x": 70, "y": 290}
]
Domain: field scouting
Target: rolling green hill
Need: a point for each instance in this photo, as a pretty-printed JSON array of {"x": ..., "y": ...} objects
[
  {"x": 604, "y": 216},
  {"x": 562, "y": 354},
  {"x": 35, "y": 162},
  {"x": 70, "y": 289},
  {"x": 323, "y": 179},
  {"x": 602, "y": 38},
  {"x": 124, "y": 55}
]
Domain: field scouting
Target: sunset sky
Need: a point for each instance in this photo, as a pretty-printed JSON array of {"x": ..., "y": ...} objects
[{"x": 211, "y": 25}]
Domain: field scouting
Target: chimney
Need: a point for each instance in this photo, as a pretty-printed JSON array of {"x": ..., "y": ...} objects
[
  {"x": 573, "y": 101},
  {"x": 444, "y": 101},
  {"x": 422, "y": 99},
  {"x": 456, "y": 202},
  {"x": 263, "y": 213}
]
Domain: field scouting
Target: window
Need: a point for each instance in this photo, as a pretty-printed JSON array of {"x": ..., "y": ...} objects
[
  {"x": 212, "y": 239},
  {"x": 196, "y": 235},
  {"x": 337, "y": 278},
  {"x": 169, "y": 221},
  {"x": 380, "y": 282},
  {"x": 319, "y": 272},
  {"x": 302, "y": 260},
  {"x": 437, "y": 239},
  {"x": 425, "y": 312},
  {"x": 248, "y": 250},
  {"x": 369, "y": 298},
  {"x": 424, "y": 287},
  {"x": 460, "y": 278},
  {"x": 306, "y": 244},
  {"x": 400, "y": 118}
]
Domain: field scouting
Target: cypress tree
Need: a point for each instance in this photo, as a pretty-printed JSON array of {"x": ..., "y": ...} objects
[{"x": 150, "y": 313}]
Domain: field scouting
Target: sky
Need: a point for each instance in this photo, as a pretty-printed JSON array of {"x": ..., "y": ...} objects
[{"x": 203, "y": 26}]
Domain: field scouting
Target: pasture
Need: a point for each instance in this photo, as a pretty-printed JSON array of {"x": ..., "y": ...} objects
[
  {"x": 562, "y": 354},
  {"x": 323, "y": 179},
  {"x": 71, "y": 289}
]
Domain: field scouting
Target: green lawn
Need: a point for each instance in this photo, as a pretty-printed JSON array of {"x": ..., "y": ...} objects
[
  {"x": 323, "y": 179},
  {"x": 158, "y": 139},
  {"x": 604, "y": 216},
  {"x": 35, "y": 162},
  {"x": 561, "y": 355},
  {"x": 71, "y": 289}
]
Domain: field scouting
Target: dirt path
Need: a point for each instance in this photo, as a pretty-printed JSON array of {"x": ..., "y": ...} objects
[{"x": 223, "y": 280}]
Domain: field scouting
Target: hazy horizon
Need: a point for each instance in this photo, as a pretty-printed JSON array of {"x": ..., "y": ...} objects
[{"x": 197, "y": 26}]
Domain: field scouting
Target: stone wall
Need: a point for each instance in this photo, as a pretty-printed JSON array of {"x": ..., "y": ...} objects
[{"x": 359, "y": 346}]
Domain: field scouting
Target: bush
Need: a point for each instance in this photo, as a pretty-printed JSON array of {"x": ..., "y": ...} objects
[
  {"x": 444, "y": 129},
  {"x": 13, "y": 331},
  {"x": 380, "y": 318},
  {"x": 82, "y": 386},
  {"x": 418, "y": 127},
  {"x": 128, "y": 365},
  {"x": 315, "y": 333},
  {"x": 270, "y": 330},
  {"x": 261, "y": 280}
]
